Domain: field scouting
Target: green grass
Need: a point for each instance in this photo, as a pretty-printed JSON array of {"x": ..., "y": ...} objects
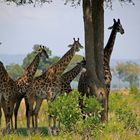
[{"x": 118, "y": 127}]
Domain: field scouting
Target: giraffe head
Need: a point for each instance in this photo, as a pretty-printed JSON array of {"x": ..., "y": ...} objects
[
  {"x": 76, "y": 45},
  {"x": 82, "y": 62},
  {"x": 42, "y": 52},
  {"x": 117, "y": 26}
]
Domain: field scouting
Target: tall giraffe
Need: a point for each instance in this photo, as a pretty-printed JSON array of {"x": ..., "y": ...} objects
[
  {"x": 24, "y": 81},
  {"x": 65, "y": 81},
  {"x": 47, "y": 86},
  {"x": 8, "y": 95},
  {"x": 117, "y": 27}
]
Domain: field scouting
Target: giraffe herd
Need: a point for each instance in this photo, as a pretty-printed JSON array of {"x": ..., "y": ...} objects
[{"x": 50, "y": 84}]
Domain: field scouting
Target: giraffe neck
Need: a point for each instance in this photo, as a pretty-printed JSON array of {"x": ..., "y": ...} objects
[
  {"x": 109, "y": 47},
  {"x": 3, "y": 74},
  {"x": 31, "y": 69},
  {"x": 58, "y": 68},
  {"x": 71, "y": 74},
  {"x": 107, "y": 54}
]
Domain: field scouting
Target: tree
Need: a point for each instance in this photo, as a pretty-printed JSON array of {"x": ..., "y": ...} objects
[
  {"x": 14, "y": 70},
  {"x": 129, "y": 72},
  {"x": 93, "y": 13}
]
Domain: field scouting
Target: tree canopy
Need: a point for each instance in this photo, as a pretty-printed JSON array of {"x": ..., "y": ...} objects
[
  {"x": 108, "y": 3},
  {"x": 128, "y": 72}
]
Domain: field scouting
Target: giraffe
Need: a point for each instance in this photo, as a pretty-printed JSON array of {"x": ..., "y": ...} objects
[
  {"x": 82, "y": 85},
  {"x": 8, "y": 95},
  {"x": 68, "y": 76},
  {"x": 65, "y": 81},
  {"x": 47, "y": 86},
  {"x": 24, "y": 81},
  {"x": 116, "y": 28}
]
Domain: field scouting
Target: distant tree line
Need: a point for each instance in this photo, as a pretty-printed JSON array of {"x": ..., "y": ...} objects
[{"x": 125, "y": 71}]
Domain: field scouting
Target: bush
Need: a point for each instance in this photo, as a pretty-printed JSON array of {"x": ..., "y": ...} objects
[
  {"x": 66, "y": 108},
  {"x": 114, "y": 101},
  {"x": 124, "y": 113},
  {"x": 134, "y": 91}
]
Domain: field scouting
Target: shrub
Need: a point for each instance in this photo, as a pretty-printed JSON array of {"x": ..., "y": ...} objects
[
  {"x": 124, "y": 113},
  {"x": 134, "y": 91},
  {"x": 66, "y": 108},
  {"x": 114, "y": 101}
]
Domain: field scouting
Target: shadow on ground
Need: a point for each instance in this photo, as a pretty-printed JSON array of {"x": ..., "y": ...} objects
[{"x": 42, "y": 131}]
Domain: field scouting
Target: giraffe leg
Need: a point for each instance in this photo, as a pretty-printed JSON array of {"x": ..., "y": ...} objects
[
  {"x": 36, "y": 110},
  {"x": 8, "y": 119},
  {"x": 16, "y": 111},
  {"x": 11, "y": 116},
  {"x": 49, "y": 126},
  {"x": 29, "y": 110}
]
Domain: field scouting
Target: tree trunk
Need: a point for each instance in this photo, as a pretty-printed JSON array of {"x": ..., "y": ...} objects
[
  {"x": 89, "y": 50},
  {"x": 93, "y": 14}
]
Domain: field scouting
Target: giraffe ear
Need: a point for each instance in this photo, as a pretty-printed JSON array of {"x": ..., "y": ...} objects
[
  {"x": 118, "y": 20},
  {"x": 78, "y": 39},
  {"x": 111, "y": 27},
  {"x": 114, "y": 20},
  {"x": 70, "y": 46}
]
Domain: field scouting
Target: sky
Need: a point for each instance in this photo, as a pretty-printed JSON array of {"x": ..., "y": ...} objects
[{"x": 55, "y": 25}]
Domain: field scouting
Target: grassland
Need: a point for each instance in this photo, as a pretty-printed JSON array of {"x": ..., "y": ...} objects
[{"x": 123, "y": 124}]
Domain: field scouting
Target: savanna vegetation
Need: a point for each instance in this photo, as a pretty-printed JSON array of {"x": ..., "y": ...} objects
[{"x": 123, "y": 123}]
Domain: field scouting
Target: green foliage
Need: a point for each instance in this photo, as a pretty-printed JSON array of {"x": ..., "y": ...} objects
[
  {"x": 134, "y": 91},
  {"x": 114, "y": 101},
  {"x": 14, "y": 70},
  {"x": 66, "y": 108},
  {"x": 124, "y": 113}
]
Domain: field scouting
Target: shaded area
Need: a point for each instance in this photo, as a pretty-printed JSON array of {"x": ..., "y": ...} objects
[{"x": 41, "y": 131}]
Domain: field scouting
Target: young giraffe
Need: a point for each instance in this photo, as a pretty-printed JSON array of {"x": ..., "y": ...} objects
[
  {"x": 23, "y": 82},
  {"x": 8, "y": 95},
  {"x": 82, "y": 85},
  {"x": 47, "y": 86}
]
